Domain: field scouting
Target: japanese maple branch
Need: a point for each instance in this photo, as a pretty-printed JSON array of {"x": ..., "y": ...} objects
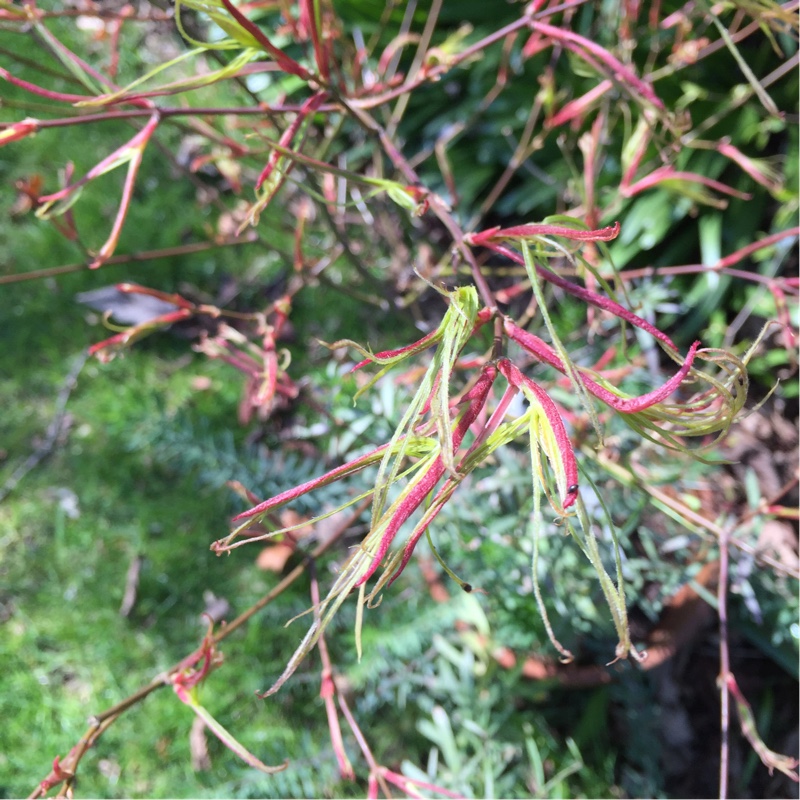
[
  {"x": 65, "y": 770},
  {"x": 129, "y": 258},
  {"x": 724, "y": 662},
  {"x": 689, "y": 516},
  {"x": 199, "y": 111},
  {"x": 438, "y": 207},
  {"x": 436, "y": 71},
  {"x": 722, "y": 265}
]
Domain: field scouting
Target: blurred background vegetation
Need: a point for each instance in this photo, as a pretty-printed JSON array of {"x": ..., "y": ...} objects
[{"x": 136, "y": 474}]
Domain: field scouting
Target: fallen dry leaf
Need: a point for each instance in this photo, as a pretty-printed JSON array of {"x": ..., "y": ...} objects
[
  {"x": 273, "y": 558},
  {"x": 198, "y": 746}
]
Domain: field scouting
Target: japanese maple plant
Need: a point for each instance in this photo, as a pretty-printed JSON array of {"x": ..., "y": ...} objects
[{"x": 495, "y": 340}]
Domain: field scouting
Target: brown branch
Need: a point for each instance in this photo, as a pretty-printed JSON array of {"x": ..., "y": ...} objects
[{"x": 129, "y": 258}]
